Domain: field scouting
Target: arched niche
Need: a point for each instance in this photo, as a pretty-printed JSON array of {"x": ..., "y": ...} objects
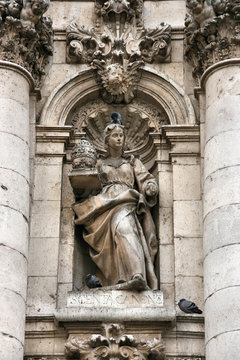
[
  {"x": 154, "y": 87},
  {"x": 77, "y": 102}
]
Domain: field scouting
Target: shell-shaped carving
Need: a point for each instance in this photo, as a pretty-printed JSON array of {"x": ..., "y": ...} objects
[{"x": 139, "y": 119}]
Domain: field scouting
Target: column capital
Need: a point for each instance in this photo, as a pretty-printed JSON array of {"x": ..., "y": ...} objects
[
  {"x": 212, "y": 33},
  {"x": 26, "y": 36}
]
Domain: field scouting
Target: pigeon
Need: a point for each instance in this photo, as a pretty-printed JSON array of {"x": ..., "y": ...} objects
[
  {"x": 116, "y": 118},
  {"x": 189, "y": 307},
  {"x": 92, "y": 281}
]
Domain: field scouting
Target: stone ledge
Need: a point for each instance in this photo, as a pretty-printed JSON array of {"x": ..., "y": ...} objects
[
  {"x": 115, "y": 306},
  {"x": 110, "y": 305},
  {"x": 111, "y": 315}
]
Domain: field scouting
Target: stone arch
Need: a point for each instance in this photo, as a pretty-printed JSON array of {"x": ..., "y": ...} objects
[{"x": 154, "y": 86}]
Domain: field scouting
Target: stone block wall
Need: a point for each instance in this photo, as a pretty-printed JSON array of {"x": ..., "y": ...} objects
[{"x": 52, "y": 271}]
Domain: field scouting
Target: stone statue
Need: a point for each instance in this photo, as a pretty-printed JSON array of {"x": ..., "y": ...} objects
[
  {"x": 118, "y": 225},
  {"x": 32, "y": 11}
]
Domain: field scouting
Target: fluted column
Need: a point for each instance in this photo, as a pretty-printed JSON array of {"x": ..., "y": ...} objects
[
  {"x": 221, "y": 217},
  {"x": 15, "y": 86}
]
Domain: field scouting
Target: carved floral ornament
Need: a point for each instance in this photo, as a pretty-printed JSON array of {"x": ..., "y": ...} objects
[
  {"x": 212, "y": 32},
  {"x": 25, "y": 35},
  {"x": 113, "y": 345},
  {"x": 117, "y": 47}
]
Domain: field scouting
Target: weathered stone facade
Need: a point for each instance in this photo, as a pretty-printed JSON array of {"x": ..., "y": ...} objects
[{"x": 170, "y": 68}]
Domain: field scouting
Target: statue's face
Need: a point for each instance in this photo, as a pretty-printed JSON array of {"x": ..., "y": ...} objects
[
  {"x": 116, "y": 139},
  {"x": 115, "y": 77}
]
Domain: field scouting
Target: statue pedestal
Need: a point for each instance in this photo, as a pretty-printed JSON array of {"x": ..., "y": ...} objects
[
  {"x": 105, "y": 305},
  {"x": 110, "y": 320}
]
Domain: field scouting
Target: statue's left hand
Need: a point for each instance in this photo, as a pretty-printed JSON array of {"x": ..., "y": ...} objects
[{"x": 151, "y": 189}]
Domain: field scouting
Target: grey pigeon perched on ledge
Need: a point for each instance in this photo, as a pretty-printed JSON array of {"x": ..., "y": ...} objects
[
  {"x": 189, "y": 307},
  {"x": 92, "y": 281},
  {"x": 116, "y": 118}
]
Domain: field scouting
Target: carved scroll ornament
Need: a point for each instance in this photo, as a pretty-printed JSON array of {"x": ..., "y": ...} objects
[
  {"x": 114, "y": 345},
  {"x": 117, "y": 47},
  {"x": 25, "y": 35},
  {"x": 212, "y": 32}
]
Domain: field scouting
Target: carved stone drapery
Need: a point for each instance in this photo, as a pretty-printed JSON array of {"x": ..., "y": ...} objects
[
  {"x": 113, "y": 345},
  {"x": 25, "y": 35},
  {"x": 212, "y": 33},
  {"x": 117, "y": 47}
]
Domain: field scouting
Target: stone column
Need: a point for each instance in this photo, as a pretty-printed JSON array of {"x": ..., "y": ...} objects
[
  {"x": 221, "y": 217},
  {"x": 214, "y": 52},
  {"x": 15, "y": 85}
]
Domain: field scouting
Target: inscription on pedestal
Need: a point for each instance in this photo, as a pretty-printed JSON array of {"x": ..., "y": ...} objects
[{"x": 115, "y": 299}]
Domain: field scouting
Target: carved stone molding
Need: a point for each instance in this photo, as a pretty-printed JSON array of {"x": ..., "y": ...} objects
[
  {"x": 112, "y": 345},
  {"x": 154, "y": 88},
  {"x": 25, "y": 35},
  {"x": 117, "y": 47},
  {"x": 212, "y": 33}
]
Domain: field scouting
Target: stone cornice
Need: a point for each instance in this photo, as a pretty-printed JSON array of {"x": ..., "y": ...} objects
[
  {"x": 92, "y": 314},
  {"x": 183, "y": 139},
  {"x": 57, "y": 136},
  {"x": 181, "y": 133},
  {"x": 177, "y": 33}
]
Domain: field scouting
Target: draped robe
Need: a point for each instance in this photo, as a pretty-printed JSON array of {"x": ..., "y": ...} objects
[{"x": 118, "y": 224}]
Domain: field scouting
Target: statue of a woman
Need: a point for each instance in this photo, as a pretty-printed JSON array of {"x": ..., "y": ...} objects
[{"x": 117, "y": 222}]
